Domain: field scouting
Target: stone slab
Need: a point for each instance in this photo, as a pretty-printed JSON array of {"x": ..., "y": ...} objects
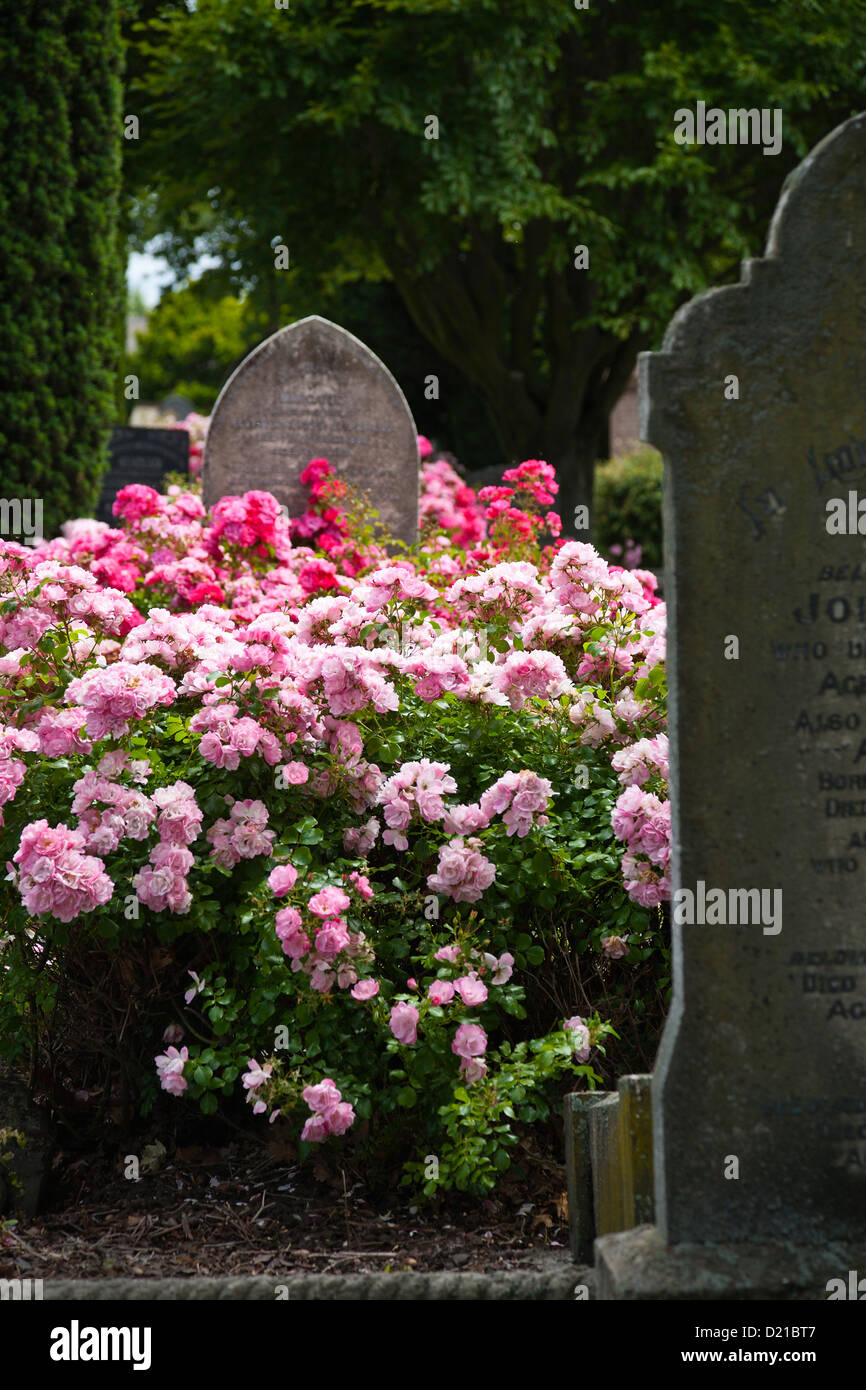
[
  {"x": 638, "y": 1265},
  {"x": 556, "y": 1286}
]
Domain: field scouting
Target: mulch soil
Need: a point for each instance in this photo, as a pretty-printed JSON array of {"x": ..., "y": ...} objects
[{"x": 250, "y": 1208}]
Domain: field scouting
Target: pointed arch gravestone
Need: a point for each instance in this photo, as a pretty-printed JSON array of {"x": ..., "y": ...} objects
[
  {"x": 312, "y": 390},
  {"x": 759, "y": 1091}
]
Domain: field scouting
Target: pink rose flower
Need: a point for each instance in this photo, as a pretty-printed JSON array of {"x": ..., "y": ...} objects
[
  {"x": 470, "y": 1040},
  {"x": 403, "y": 1023},
  {"x": 323, "y": 1097},
  {"x": 450, "y": 954},
  {"x": 295, "y": 773},
  {"x": 329, "y": 903},
  {"x": 504, "y": 968},
  {"x": 365, "y": 989},
  {"x": 471, "y": 990},
  {"x": 580, "y": 1040},
  {"x": 282, "y": 880},
  {"x": 315, "y": 1130},
  {"x": 441, "y": 992},
  {"x": 615, "y": 947},
  {"x": 473, "y": 1068},
  {"x": 169, "y": 1068}
]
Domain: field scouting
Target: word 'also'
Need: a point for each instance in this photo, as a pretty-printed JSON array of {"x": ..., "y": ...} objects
[
  {"x": 734, "y": 127},
  {"x": 738, "y": 907}
]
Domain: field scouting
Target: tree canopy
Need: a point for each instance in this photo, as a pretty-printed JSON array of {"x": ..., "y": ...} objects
[{"x": 313, "y": 127}]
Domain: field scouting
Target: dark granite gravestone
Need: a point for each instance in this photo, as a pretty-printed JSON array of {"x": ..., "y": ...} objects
[
  {"x": 140, "y": 456},
  {"x": 759, "y": 1092},
  {"x": 312, "y": 390}
]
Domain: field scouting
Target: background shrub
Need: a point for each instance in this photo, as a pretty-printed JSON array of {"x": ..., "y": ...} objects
[{"x": 628, "y": 505}]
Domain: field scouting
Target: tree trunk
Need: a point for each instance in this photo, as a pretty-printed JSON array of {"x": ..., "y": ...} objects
[{"x": 575, "y": 468}]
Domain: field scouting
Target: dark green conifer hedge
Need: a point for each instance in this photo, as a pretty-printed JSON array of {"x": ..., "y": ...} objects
[{"x": 61, "y": 264}]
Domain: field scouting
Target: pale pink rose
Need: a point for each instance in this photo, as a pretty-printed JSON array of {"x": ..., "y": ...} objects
[
  {"x": 169, "y": 1067},
  {"x": 580, "y": 1040},
  {"x": 365, "y": 989},
  {"x": 322, "y": 978},
  {"x": 504, "y": 969},
  {"x": 329, "y": 903},
  {"x": 470, "y": 1040},
  {"x": 295, "y": 945},
  {"x": 473, "y": 1068},
  {"x": 441, "y": 992},
  {"x": 451, "y": 954},
  {"x": 315, "y": 1130},
  {"x": 332, "y": 938},
  {"x": 257, "y": 1075},
  {"x": 196, "y": 988},
  {"x": 403, "y": 1023},
  {"x": 471, "y": 990},
  {"x": 295, "y": 773},
  {"x": 615, "y": 947},
  {"x": 340, "y": 1118},
  {"x": 282, "y": 880},
  {"x": 322, "y": 1097},
  {"x": 361, "y": 884},
  {"x": 288, "y": 921}
]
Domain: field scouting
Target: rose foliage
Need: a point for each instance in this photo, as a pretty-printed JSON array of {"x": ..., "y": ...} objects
[{"x": 310, "y": 804}]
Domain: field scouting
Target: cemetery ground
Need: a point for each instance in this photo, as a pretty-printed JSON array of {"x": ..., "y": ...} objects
[{"x": 228, "y": 1204}]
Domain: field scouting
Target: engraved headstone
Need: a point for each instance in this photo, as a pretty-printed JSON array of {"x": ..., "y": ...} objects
[
  {"x": 140, "y": 456},
  {"x": 178, "y": 406},
  {"x": 757, "y": 401},
  {"x": 312, "y": 390}
]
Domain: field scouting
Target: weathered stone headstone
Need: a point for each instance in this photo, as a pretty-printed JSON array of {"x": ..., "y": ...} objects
[
  {"x": 312, "y": 390},
  {"x": 758, "y": 404},
  {"x": 178, "y": 406},
  {"x": 140, "y": 456},
  {"x": 22, "y": 1176}
]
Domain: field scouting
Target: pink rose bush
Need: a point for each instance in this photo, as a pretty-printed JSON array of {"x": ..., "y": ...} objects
[{"x": 351, "y": 796}]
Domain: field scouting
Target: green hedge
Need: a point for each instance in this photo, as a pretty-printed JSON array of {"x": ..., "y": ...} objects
[
  {"x": 61, "y": 270},
  {"x": 628, "y": 506}
]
